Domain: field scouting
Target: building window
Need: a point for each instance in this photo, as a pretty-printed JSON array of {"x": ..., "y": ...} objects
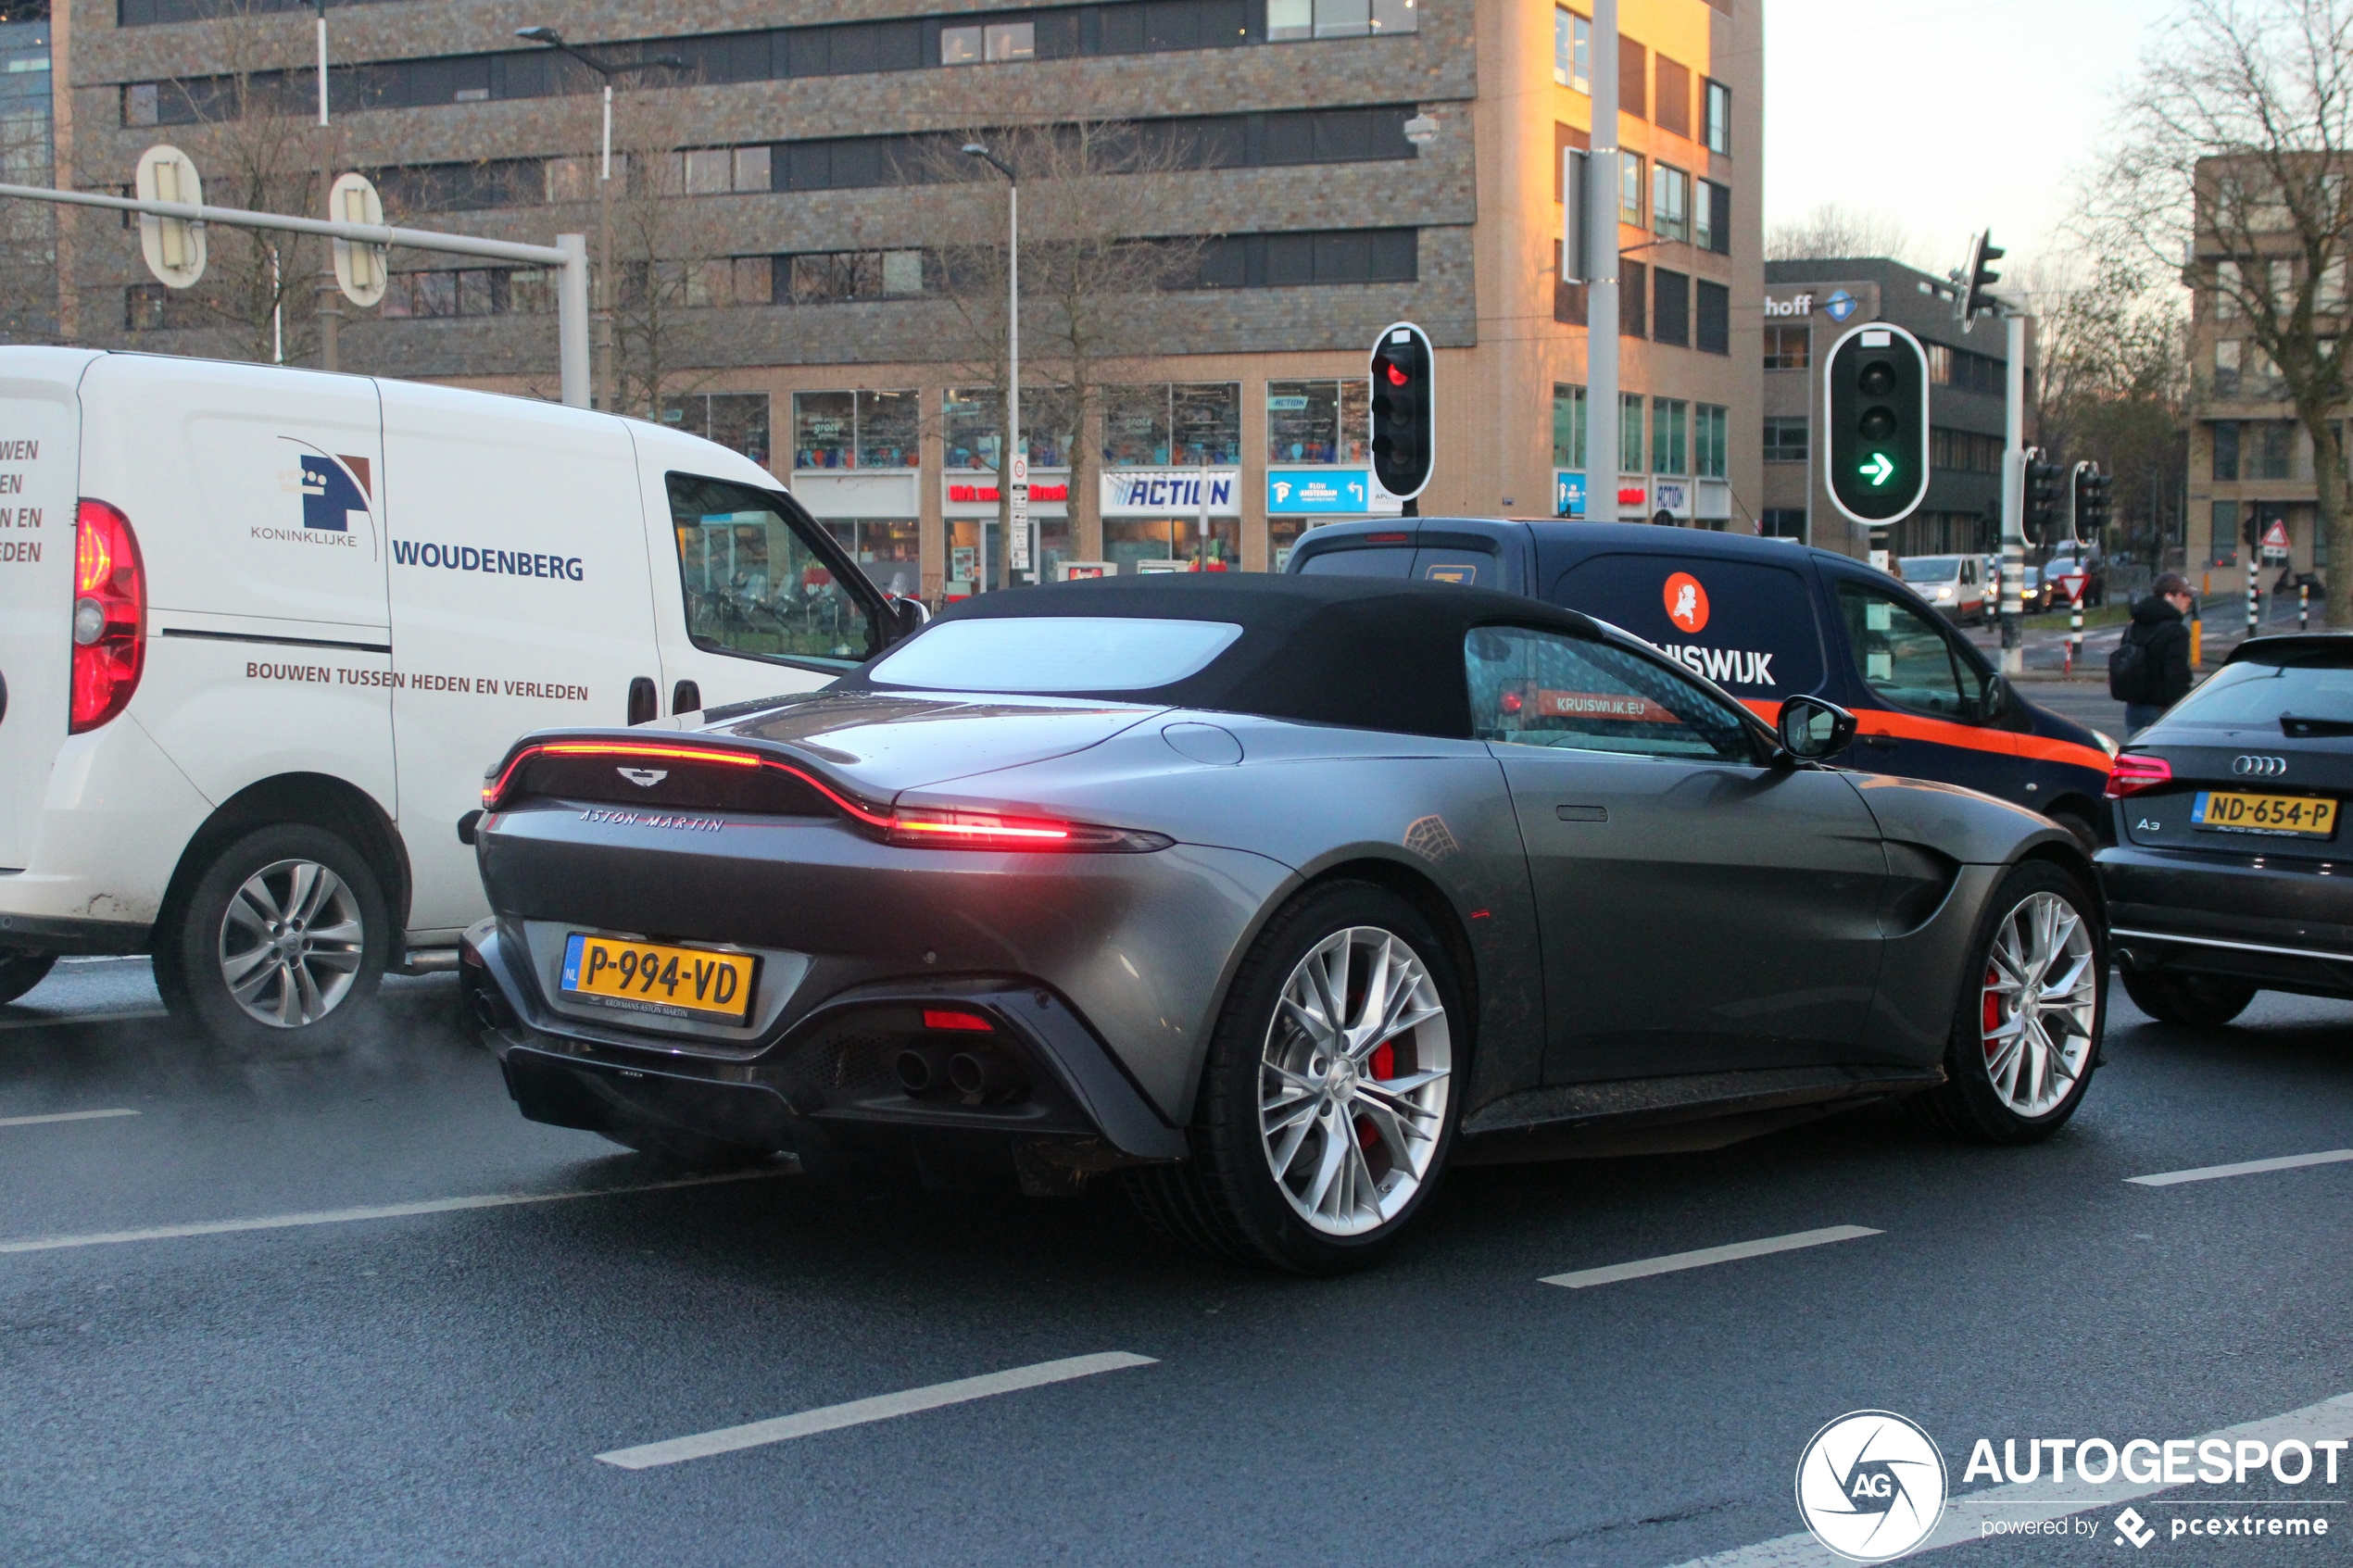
[
  {"x": 1346, "y": 256},
  {"x": 737, "y": 419},
  {"x": 1711, "y": 217},
  {"x": 1710, "y": 436},
  {"x": 1633, "y": 78},
  {"x": 1782, "y": 522},
  {"x": 1671, "y": 306},
  {"x": 1670, "y": 203},
  {"x": 1785, "y": 440},
  {"x": 2226, "y": 450},
  {"x": 2274, "y": 455},
  {"x": 1568, "y": 426},
  {"x": 843, "y": 276},
  {"x": 1319, "y": 422},
  {"x": 1630, "y": 433},
  {"x": 1629, "y": 188},
  {"x": 993, "y": 41},
  {"x": 2226, "y": 367},
  {"x": 1634, "y": 293},
  {"x": 1670, "y": 435},
  {"x": 1159, "y": 424},
  {"x": 1672, "y": 111},
  {"x": 1712, "y": 330},
  {"x": 1788, "y": 348},
  {"x": 1572, "y": 50},
  {"x": 856, "y": 430},
  {"x": 1716, "y": 117},
  {"x": 1290, "y": 20}
]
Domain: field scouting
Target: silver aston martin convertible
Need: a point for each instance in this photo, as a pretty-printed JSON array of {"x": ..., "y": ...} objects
[{"x": 1269, "y": 896}]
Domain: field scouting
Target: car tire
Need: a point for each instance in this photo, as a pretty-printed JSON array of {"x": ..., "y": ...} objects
[
  {"x": 2081, "y": 826},
  {"x": 1268, "y": 1183},
  {"x": 20, "y": 972},
  {"x": 2201, "y": 1001},
  {"x": 2017, "y": 1066},
  {"x": 280, "y": 943}
]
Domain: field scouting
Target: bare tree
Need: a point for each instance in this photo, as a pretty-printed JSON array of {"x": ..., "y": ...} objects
[
  {"x": 1832, "y": 232},
  {"x": 670, "y": 258},
  {"x": 2230, "y": 163},
  {"x": 27, "y": 229},
  {"x": 1094, "y": 199}
]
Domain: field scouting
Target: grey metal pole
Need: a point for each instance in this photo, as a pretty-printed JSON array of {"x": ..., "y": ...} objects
[
  {"x": 1603, "y": 174},
  {"x": 1019, "y": 516},
  {"x": 329, "y": 313},
  {"x": 572, "y": 318},
  {"x": 608, "y": 372},
  {"x": 2013, "y": 489}
]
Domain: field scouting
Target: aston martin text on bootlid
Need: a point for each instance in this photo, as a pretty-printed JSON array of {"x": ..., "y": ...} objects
[{"x": 1269, "y": 897}]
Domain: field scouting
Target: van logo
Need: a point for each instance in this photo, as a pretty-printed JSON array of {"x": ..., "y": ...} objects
[
  {"x": 643, "y": 778},
  {"x": 335, "y": 508},
  {"x": 1686, "y": 602},
  {"x": 2258, "y": 767}
]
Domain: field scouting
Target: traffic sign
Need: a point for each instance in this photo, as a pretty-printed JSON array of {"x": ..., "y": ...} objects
[
  {"x": 2275, "y": 537},
  {"x": 360, "y": 268},
  {"x": 2074, "y": 583},
  {"x": 173, "y": 246}
]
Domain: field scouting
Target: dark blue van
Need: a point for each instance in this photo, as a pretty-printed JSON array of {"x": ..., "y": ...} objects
[{"x": 1767, "y": 619}]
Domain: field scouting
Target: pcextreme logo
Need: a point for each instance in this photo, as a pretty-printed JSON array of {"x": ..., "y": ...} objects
[
  {"x": 1870, "y": 1485},
  {"x": 334, "y": 492}
]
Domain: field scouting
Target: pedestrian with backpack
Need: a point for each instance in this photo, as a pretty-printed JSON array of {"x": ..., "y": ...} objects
[{"x": 2150, "y": 672}]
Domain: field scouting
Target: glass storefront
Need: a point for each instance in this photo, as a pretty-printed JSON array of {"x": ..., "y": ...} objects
[
  {"x": 737, "y": 419},
  {"x": 857, "y": 430},
  {"x": 1182, "y": 424},
  {"x": 1319, "y": 422},
  {"x": 889, "y": 549},
  {"x": 1129, "y": 541}
]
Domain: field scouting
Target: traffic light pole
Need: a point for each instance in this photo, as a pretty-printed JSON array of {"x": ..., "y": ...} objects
[
  {"x": 2013, "y": 490},
  {"x": 1602, "y": 176}
]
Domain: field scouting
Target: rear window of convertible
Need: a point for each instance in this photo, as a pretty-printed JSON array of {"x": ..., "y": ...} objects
[{"x": 1068, "y": 653}]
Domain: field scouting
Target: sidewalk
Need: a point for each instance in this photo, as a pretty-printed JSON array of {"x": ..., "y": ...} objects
[{"x": 2044, "y": 636}]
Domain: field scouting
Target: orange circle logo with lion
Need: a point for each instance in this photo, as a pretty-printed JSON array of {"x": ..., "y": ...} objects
[{"x": 1686, "y": 602}]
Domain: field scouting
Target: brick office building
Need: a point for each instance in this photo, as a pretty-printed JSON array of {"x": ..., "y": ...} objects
[{"x": 813, "y": 336}]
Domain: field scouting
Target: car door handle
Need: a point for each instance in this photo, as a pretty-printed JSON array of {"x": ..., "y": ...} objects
[
  {"x": 1881, "y": 743},
  {"x": 1581, "y": 813}
]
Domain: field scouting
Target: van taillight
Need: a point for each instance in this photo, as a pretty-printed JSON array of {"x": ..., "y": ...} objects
[{"x": 110, "y": 615}]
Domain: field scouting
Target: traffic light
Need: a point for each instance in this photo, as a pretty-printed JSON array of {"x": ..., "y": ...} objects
[
  {"x": 2041, "y": 495},
  {"x": 2092, "y": 489},
  {"x": 1974, "y": 298},
  {"x": 1875, "y": 407},
  {"x": 1404, "y": 410}
]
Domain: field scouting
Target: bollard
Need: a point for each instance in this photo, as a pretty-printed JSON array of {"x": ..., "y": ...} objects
[
  {"x": 2304, "y": 607},
  {"x": 2075, "y": 638},
  {"x": 2254, "y": 595}
]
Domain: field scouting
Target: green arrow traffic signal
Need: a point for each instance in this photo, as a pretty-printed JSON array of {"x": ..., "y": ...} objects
[{"x": 1878, "y": 469}]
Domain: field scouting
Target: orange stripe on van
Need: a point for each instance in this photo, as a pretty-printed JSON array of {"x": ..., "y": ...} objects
[{"x": 1944, "y": 732}]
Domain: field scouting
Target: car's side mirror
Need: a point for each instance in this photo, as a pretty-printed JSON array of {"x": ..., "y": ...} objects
[
  {"x": 1993, "y": 699},
  {"x": 1811, "y": 728},
  {"x": 907, "y": 618}
]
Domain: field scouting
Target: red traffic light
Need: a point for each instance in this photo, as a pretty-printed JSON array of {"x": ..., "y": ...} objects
[{"x": 1396, "y": 376}]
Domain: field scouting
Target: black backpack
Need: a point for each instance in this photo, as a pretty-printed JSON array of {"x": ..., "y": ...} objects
[{"x": 2131, "y": 676}]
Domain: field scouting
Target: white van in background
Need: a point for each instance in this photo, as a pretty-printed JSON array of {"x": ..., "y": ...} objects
[{"x": 262, "y": 629}]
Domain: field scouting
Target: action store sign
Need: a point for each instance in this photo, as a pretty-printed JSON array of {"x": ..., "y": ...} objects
[{"x": 1172, "y": 492}]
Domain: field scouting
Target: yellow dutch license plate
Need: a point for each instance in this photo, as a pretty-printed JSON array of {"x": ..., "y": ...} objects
[
  {"x": 650, "y": 977},
  {"x": 2301, "y": 815}
]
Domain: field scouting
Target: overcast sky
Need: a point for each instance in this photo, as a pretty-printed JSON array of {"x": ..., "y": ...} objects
[{"x": 1947, "y": 114}]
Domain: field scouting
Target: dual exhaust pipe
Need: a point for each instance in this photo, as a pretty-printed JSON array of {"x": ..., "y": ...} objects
[{"x": 977, "y": 1074}]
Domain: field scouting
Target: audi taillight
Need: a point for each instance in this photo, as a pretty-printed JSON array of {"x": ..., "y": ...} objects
[
  {"x": 2134, "y": 771},
  {"x": 110, "y": 615}
]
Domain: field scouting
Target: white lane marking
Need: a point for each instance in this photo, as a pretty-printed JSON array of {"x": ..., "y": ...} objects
[
  {"x": 61, "y": 1116},
  {"x": 2245, "y": 1167},
  {"x": 348, "y": 1216},
  {"x": 69, "y": 1020},
  {"x": 1643, "y": 1267},
  {"x": 1965, "y": 1515},
  {"x": 857, "y": 1412}
]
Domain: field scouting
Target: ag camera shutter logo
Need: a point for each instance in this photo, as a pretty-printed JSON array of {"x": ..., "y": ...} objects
[{"x": 1870, "y": 1485}]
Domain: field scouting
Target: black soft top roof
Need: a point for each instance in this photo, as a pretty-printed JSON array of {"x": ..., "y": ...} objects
[{"x": 1367, "y": 653}]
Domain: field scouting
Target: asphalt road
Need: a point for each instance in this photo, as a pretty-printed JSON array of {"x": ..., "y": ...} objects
[{"x": 434, "y": 1386}]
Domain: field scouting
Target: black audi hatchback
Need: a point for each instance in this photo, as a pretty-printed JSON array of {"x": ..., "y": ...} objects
[{"x": 2228, "y": 872}]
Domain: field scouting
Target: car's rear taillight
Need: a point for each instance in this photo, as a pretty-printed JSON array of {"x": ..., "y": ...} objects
[
  {"x": 928, "y": 828},
  {"x": 110, "y": 615},
  {"x": 2134, "y": 771}
]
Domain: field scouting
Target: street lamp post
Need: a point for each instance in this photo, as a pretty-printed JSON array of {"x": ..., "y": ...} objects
[
  {"x": 608, "y": 380},
  {"x": 329, "y": 313},
  {"x": 1012, "y": 356}
]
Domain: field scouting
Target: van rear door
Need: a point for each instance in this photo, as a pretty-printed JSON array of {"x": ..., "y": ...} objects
[
  {"x": 1749, "y": 626},
  {"x": 39, "y": 462},
  {"x": 519, "y": 602}
]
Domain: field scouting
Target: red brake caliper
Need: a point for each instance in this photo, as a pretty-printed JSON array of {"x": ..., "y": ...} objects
[
  {"x": 1384, "y": 1065},
  {"x": 1993, "y": 1009}
]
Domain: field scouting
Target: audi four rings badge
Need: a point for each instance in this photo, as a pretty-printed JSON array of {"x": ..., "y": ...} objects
[{"x": 2258, "y": 767}]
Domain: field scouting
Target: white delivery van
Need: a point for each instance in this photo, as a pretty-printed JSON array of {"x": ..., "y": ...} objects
[{"x": 262, "y": 629}]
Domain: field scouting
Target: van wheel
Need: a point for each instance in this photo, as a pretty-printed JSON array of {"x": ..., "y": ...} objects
[
  {"x": 20, "y": 972},
  {"x": 283, "y": 941}
]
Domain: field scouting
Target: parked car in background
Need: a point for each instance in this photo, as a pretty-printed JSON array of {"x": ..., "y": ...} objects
[
  {"x": 275, "y": 623},
  {"x": 2228, "y": 872},
  {"x": 1768, "y": 620},
  {"x": 1954, "y": 584},
  {"x": 1269, "y": 895},
  {"x": 2035, "y": 592},
  {"x": 2065, "y": 556}
]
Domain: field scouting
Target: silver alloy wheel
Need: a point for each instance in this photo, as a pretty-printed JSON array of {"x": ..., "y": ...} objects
[
  {"x": 1353, "y": 1081},
  {"x": 2039, "y": 999},
  {"x": 291, "y": 943}
]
